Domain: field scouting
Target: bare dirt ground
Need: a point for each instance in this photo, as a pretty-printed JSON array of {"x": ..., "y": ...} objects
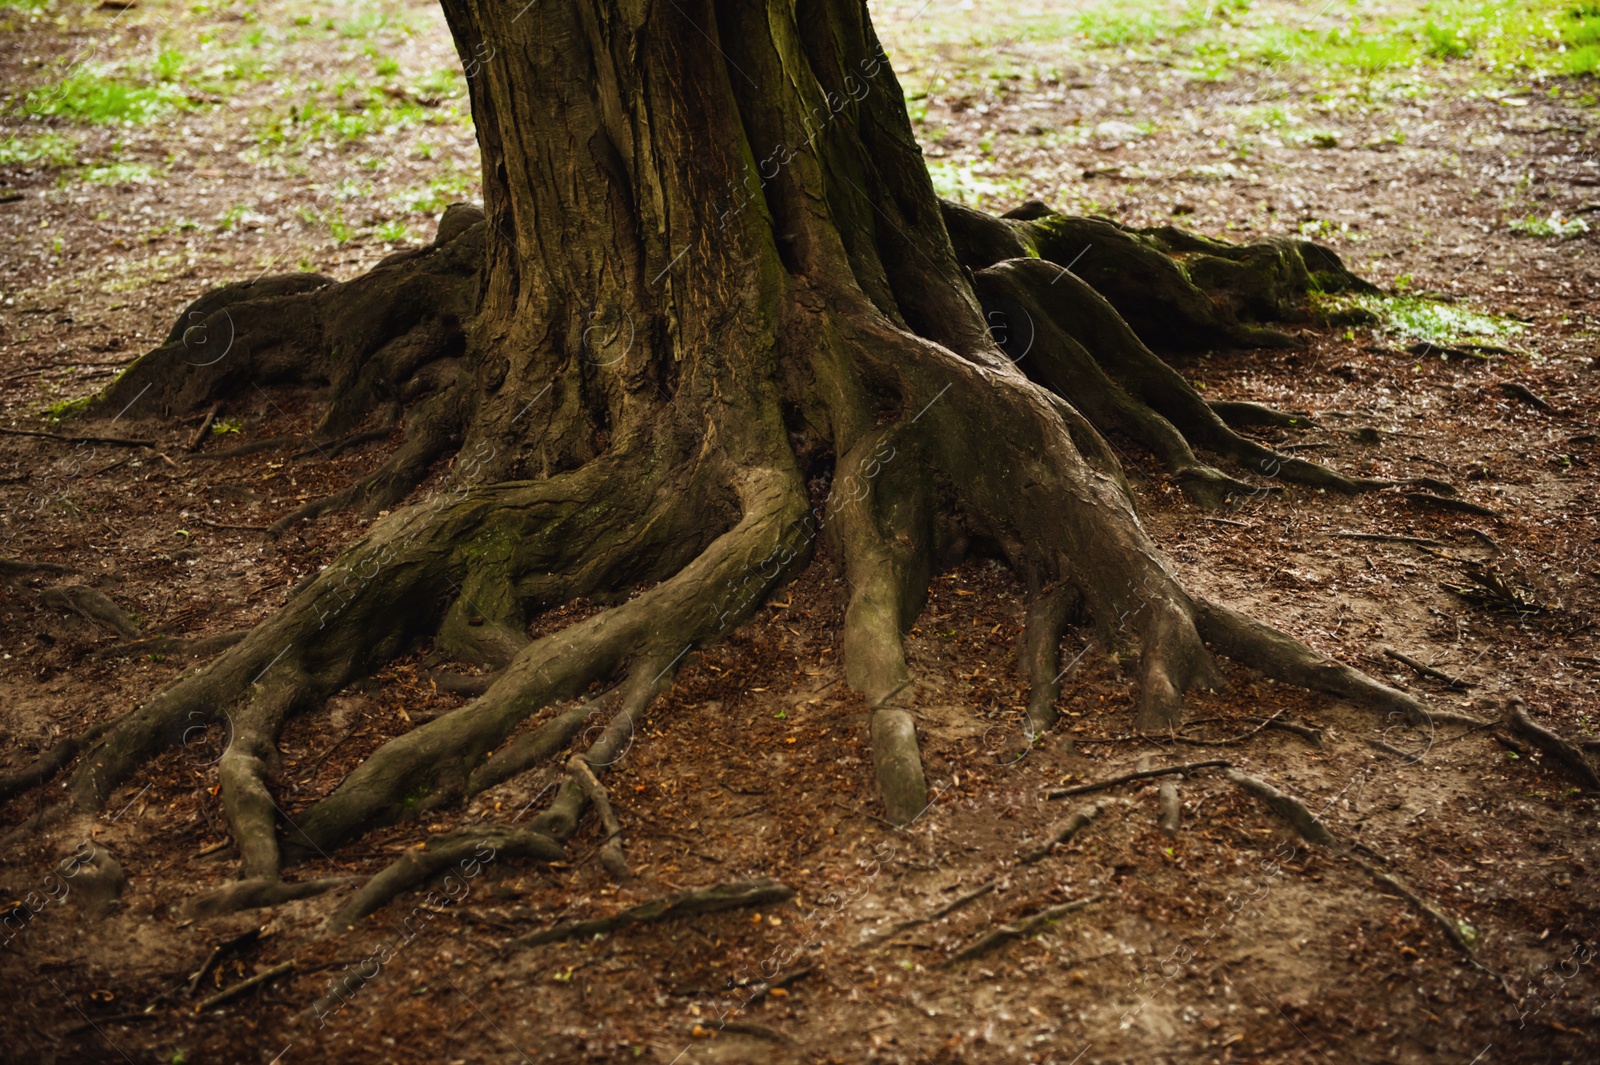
[{"x": 270, "y": 137}]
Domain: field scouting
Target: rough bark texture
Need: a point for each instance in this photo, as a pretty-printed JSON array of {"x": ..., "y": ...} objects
[{"x": 710, "y": 268}]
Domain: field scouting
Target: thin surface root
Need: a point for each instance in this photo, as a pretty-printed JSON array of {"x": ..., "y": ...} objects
[{"x": 715, "y": 899}]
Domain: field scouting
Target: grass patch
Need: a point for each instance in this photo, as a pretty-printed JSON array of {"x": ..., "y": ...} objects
[
  {"x": 44, "y": 149},
  {"x": 1556, "y": 225},
  {"x": 968, "y": 185},
  {"x": 93, "y": 96},
  {"x": 1414, "y": 318}
]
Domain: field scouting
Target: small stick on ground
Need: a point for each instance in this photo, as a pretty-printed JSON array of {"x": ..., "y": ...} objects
[
  {"x": 205, "y": 424},
  {"x": 611, "y": 856},
  {"x": 1182, "y": 770},
  {"x": 713, "y": 899},
  {"x": 58, "y": 438},
  {"x": 1408, "y": 757},
  {"x": 1063, "y": 832},
  {"x": 264, "y": 977},
  {"x": 1231, "y": 741},
  {"x": 1385, "y": 538},
  {"x": 1518, "y": 721},
  {"x": 1426, "y": 670},
  {"x": 943, "y": 911},
  {"x": 1018, "y": 929}
]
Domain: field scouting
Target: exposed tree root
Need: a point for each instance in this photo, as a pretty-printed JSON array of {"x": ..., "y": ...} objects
[
  {"x": 1168, "y": 808},
  {"x": 1127, "y": 778},
  {"x": 255, "y": 893},
  {"x": 16, "y": 567},
  {"x": 50, "y": 762},
  {"x": 194, "y": 646},
  {"x": 690, "y": 903},
  {"x": 92, "y": 605},
  {"x": 475, "y": 847},
  {"x": 611, "y": 856},
  {"x": 1047, "y": 617},
  {"x": 1063, "y": 832},
  {"x": 1570, "y": 757},
  {"x": 1018, "y": 929},
  {"x": 1311, "y": 828}
]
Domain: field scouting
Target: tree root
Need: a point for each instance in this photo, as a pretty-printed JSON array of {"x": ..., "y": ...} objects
[
  {"x": 256, "y": 893},
  {"x": 1169, "y": 809},
  {"x": 197, "y": 647},
  {"x": 1018, "y": 929},
  {"x": 1558, "y": 749},
  {"x": 1286, "y": 659},
  {"x": 1041, "y": 654},
  {"x": 1063, "y": 832},
  {"x": 530, "y": 749},
  {"x": 1127, "y": 778},
  {"x": 92, "y": 605},
  {"x": 50, "y": 762},
  {"x": 471, "y": 849},
  {"x": 943, "y": 911},
  {"x": 1311, "y": 829},
  {"x": 611, "y": 856},
  {"x": 737, "y": 895},
  {"x": 1054, "y": 321},
  {"x": 16, "y": 567}
]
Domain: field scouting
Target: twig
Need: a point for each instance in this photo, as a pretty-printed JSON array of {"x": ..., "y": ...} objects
[
  {"x": 1426, "y": 670},
  {"x": 1062, "y": 832},
  {"x": 1144, "y": 774},
  {"x": 1017, "y": 929},
  {"x": 266, "y": 976},
  {"x": 200, "y": 433},
  {"x": 943, "y": 911},
  {"x": 1420, "y": 541},
  {"x": 1233, "y": 740},
  {"x": 115, "y": 441}
]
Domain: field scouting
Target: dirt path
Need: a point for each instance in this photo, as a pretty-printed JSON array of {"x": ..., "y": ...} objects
[{"x": 172, "y": 148}]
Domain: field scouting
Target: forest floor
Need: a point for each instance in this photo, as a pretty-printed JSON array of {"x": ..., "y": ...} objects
[{"x": 149, "y": 150}]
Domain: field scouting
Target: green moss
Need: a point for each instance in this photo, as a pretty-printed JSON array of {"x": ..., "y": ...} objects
[{"x": 68, "y": 408}]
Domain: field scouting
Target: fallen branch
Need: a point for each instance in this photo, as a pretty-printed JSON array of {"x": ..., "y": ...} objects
[
  {"x": 943, "y": 911},
  {"x": 1144, "y": 774},
  {"x": 1063, "y": 832},
  {"x": 1231, "y": 741},
  {"x": 713, "y": 899},
  {"x": 1023, "y": 926},
  {"x": 200, "y": 433},
  {"x": 1426, "y": 670},
  {"x": 1557, "y": 748},
  {"x": 1420, "y": 541},
  {"x": 264, "y": 977},
  {"x": 58, "y": 438}
]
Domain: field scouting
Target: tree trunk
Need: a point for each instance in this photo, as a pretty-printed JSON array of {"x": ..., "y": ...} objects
[{"x": 710, "y": 269}]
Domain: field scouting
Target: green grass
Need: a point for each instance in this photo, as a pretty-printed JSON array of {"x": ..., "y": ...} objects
[
  {"x": 43, "y": 149},
  {"x": 119, "y": 174},
  {"x": 1414, "y": 318},
  {"x": 970, "y": 186},
  {"x": 92, "y": 95},
  {"x": 1556, "y": 225}
]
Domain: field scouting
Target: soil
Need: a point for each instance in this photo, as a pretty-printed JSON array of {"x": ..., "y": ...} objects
[{"x": 1232, "y": 941}]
